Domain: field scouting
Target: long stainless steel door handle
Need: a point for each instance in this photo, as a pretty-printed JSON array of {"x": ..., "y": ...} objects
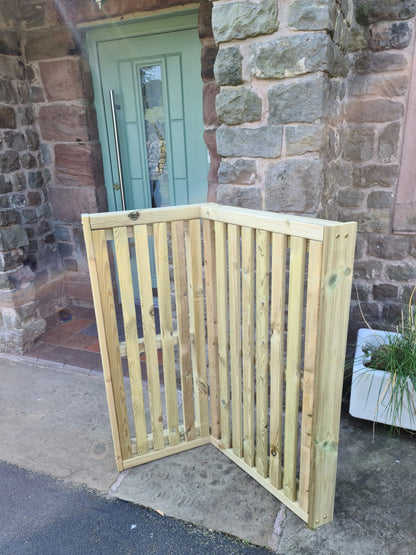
[{"x": 119, "y": 169}]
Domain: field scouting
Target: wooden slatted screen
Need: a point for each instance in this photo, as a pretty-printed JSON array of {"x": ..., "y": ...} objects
[{"x": 238, "y": 340}]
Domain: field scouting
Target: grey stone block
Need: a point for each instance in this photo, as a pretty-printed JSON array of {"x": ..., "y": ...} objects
[
  {"x": 372, "y": 221},
  {"x": 62, "y": 233},
  {"x": 301, "y": 139},
  {"x": 243, "y": 197},
  {"x": 358, "y": 143},
  {"x": 239, "y": 20},
  {"x": 18, "y": 181},
  {"x": 295, "y": 55},
  {"x": 65, "y": 250},
  {"x": 227, "y": 68},
  {"x": 35, "y": 179},
  {"x": 305, "y": 100},
  {"x": 395, "y": 247},
  {"x": 376, "y": 175},
  {"x": 388, "y": 142},
  {"x": 312, "y": 15},
  {"x": 238, "y": 105},
  {"x": 380, "y": 199},
  {"x": 263, "y": 142},
  {"x": 350, "y": 197},
  {"x": 5, "y": 186},
  {"x": 7, "y": 117},
  {"x": 8, "y": 216},
  {"x": 32, "y": 139},
  {"x": 380, "y": 62},
  {"x": 7, "y": 92},
  {"x": 15, "y": 140},
  {"x": 385, "y": 36},
  {"x": 368, "y": 269},
  {"x": 385, "y": 291},
  {"x": 378, "y": 110},
  {"x": 12, "y": 237},
  {"x": 28, "y": 161},
  {"x": 371, "y": 11},
  {"x": 238, "y": 171},
  {"x": 401, "y": 272},
  {"x": 9, "y": 161},
  {"x": 293, "y": 185}
]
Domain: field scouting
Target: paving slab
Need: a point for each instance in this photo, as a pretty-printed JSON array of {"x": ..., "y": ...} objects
[
  {"x": 55, "y": 420},
  {"x": 204, "y": 487}
]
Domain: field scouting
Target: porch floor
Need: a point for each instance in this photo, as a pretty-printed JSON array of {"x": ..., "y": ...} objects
[{"x": 71, "y": 339}]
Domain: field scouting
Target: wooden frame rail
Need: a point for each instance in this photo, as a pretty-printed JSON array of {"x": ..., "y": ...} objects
[{"x": 252, "y": 315}]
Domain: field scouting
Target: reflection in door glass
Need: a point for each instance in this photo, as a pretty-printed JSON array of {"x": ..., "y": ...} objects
[{"x": 151, "y": 85}]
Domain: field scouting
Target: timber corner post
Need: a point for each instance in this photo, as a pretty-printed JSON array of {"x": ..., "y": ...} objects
[
  {"x": 335, "y": 295},
  {"x": 112, "y": 401}
]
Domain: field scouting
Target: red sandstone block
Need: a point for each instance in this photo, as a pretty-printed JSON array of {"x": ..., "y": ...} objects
[
  {"x": 50, "y": 42},
  {"x": 62, "y": 79},
  {"x": 67, "y": 123},
  {"x": 78, "y": 165},
  {"x": 70, "y": 202},
  {"x": 209, "y": 92}
]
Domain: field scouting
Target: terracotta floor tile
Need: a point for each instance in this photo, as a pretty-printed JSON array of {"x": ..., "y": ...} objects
[
  {"x": 94, "y": 347},
  {"x": 79, "y": 341},
  {"x": 77, "y": 311},
  {"x": 85, "y": 359},
  {"x": 39, "y": 350},
  {"x": 88, "y": 313},
  {"x": 56, "y": 336},
  {"x": 77, "y": 324},
  {"x": 53, "y": 320},
  {"x": 60, "y": 354}
]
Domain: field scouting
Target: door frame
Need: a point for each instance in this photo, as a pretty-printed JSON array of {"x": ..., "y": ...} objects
[{"x": 186, "y": 19}]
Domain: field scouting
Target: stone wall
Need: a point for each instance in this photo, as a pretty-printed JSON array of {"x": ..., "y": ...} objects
[
  {"x": 279, "y": 67},
  {"x": 63, "y": 105},
  {"x": 368, "y": 146},
  {"x": 27, "y": 244},
  {"x": 304, "y": 111},
  {"x": 312, "y": 106},
  {"x": 50, "y": 156}
]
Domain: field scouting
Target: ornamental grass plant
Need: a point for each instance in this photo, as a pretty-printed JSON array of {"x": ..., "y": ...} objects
[{"x": 395, "y": 355}]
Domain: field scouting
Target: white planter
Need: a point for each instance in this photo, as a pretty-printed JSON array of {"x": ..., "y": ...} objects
[{"x": 368, "y": 386}]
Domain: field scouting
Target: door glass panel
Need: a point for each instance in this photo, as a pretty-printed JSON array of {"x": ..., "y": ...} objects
[{"x": 154, "y": 122}]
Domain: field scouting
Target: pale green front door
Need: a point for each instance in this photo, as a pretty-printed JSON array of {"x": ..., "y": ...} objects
[{"x": 154, "y": 71}]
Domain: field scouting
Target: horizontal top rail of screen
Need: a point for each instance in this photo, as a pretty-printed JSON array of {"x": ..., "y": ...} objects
[
  {"x": 109, "y": 220},
  {"x": 298, "y": 226}
]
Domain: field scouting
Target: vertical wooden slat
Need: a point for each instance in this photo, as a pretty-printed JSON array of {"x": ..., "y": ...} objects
[
  {"x": 222, "y": 305},
  {"x": 111, "y": 338},
  {"x": 335, "y": 294},
  {"x": 121, "y": 441},
  {"x": 309, "y": 370},
  {"x": 149, "y": 333},
  {"x": 234, "y": 264},
  {"x": 262, "y": 349},
  {"x": 166, "y": 330},
  {"x": 212, "y": 325},
  {"x": 294, "y": 339},
  {"x": 182, "y": 316},
  {"x": 277, "y": 327},
  {"x": 122, "y": 250},
  {"x": 247, "y": 265},
  {"x": 197, "y": 320}
]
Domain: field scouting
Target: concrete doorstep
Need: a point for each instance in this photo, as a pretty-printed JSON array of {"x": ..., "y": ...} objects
[{"x": 55, "y": 420}]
